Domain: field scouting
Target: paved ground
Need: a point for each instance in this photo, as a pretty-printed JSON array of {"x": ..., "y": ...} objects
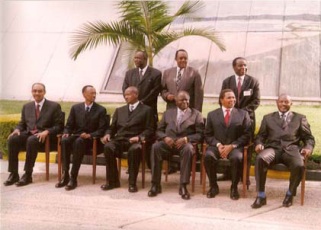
[{"x": 41, "y": 206}]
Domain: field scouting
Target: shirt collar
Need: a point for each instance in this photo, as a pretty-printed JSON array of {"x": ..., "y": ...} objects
[
  {"x": 144, "y": 69},
  {"x": 40, "y": 103},
  {"x": 135, "y": 105},
  {"x": 286, "y": 113},
  {"x": 224, "y": 109},
  {"x": 237, "y": 78},
  {"x": 91, "y": 105}
]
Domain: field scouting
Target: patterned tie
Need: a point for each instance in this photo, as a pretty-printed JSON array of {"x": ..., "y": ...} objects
[
  {"x": 227, "y": 117},
  {"x": 239, "y": 86},
  {"x": 284, "y": 123},
  {"x": 141, "y": 75},
  {"x": 180, "y": 118},
  {"x": 37, "y": 111},
  {"x": 179, "y": 78}
]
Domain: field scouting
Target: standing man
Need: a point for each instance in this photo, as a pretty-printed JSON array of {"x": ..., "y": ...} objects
[
  {"x": 40, "y": 119},
  {"x": 247, "y": 92},
  {"x": 147, "y": 80},
  {"x": 228, "y": 130},
  {"x": 131, "y": 124},
  {"x": 86, "y": 121},
  {"x": 178, "y": 129},
  {"x": 182, "y": 78},
  {"x": 284, "y": 137}
]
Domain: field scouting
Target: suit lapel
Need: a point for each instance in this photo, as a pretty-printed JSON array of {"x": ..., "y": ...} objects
[
  {"x": 187, "y": 114},
  {"x": 147, "y": 73}
]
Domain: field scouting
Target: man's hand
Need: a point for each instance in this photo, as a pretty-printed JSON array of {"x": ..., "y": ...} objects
[
  {"x": 85, "y": 136},
  {"x": 259, "y": 148},
  {"x": 105, "y": 139},
  {"x": 170, "y": 97},
  {"x": 15, "y": 132},
  {"x": 42, "y": 136},
  {"x": 134, "y": 140},
  {"x": 180, "y": 142},
  {"x": 306, "y": 152},
  {"x": 169, "y": 141},
  {"x": 225, "y": 150}
]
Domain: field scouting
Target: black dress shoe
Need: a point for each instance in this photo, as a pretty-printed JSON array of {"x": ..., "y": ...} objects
[
  {"x": 132, "y": 188},
  {"x": 71, "y": 185},
  {"x": 234, "y": 194},
  {"x": 63, "y": 182},
  {"x": 110, "y": 186},
  {"x": 154, "y": 190},
  {"x": 13, "y": 178},
  {"x": 212, "y": 192},
  {"x": 25, "y": 180},
  {"x": 184, "y": 192},
  {"x": 287, "y": 202},
  {"x": 259, "y": 202}
]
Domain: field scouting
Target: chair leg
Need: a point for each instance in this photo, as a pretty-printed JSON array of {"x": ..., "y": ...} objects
[
  {"x": 94, "y": 159},
  {"x": 303, "y": 182},
  {"x": 143, "y": 165},
  {"x": 193, "y": 171},
  {"x": 203, "y": 169},
  {"x": 47, "y": 150},
  {"x": 59, "y": 158},
  {"x": 245, "y": 171}
]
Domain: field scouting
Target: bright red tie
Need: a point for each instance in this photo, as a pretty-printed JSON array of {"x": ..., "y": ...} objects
[{"x": 227, "y": 117}]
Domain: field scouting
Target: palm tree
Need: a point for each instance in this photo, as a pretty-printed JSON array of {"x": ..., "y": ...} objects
[{"x": 145, "y": 25}]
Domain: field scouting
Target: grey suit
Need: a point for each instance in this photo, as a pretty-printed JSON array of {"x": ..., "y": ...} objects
[
  {"x": 50, "y": 119},
  {"x": 192, "y": 127},
  {"x": 282, "y": 144},
  {"x": 191, "y": 82},
  {"x": 237, "y": 132}
]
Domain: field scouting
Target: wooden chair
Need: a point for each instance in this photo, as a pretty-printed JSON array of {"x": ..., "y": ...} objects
[
  {"x": 284, "y": 168},
  {"x": 124, "y": 155},
  {"x": 226, "y": 162},
  {"x": 176, "y": 158},
  {"x": 96, "y": 147}
]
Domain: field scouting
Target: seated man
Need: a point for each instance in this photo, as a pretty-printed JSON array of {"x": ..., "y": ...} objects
[
  {"x": 284, "y": 137},
  {"x": 40, "y": 119},
  {"x": 176, "y": 131},
  {"x": 227, "y": 130},
  {"x": 86, "y": 120},
  {"x": 131, "y": 124}
]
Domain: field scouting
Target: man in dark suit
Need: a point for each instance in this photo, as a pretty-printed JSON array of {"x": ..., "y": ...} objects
[
  {"x": 40, "y": 119},
  {"x": 86, "y": 121},
  {"x": 178, "y": 129},
  {"x": 284, "y": 137},
  {"x": 247, "y": 92},
  {"x": 182, "y": 78},
  {"x": 147, "y": 80},
  {"x": 131, "y": 124},
  {"x": 227, "y": 131}
]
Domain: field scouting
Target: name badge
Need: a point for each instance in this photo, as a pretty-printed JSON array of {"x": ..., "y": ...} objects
[{"x": 247, "y": 92}]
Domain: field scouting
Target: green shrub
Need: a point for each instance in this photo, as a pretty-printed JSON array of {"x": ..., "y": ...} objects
[{"x": 7, "y": 124}]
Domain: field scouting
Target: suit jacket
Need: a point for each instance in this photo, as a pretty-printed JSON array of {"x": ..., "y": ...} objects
[
  {"x": 237, "y": 132},
  {"x": 291, "y": 139},
  {"x": 192, "y": 125},
  {"x": 50, "y": 118},
  {"x": 94, "y": 124},
  {"x": 191, "y": 82},
  {"x": 149, "y": 88},
  {"x": 247, "y": 102},
  {"x": 125, "y": 124}
]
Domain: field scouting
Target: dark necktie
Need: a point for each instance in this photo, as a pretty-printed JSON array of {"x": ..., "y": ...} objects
[
  {"x": 284, "y": 123},
  {"x": 227, "y": 117},
  {"x": 179, "y": 78},
  {"x": 87, "y": 113},
  {"x": 140, "y": 74},
  {"x": 37, "y": 111},
  {"x": 239, "y": 86}
]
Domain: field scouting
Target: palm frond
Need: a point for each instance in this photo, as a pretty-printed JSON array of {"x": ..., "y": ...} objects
[{"x": 90, "y": 35}]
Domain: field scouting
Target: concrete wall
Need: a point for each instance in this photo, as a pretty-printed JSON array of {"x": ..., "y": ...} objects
[{"x": 280, "y": 39}]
